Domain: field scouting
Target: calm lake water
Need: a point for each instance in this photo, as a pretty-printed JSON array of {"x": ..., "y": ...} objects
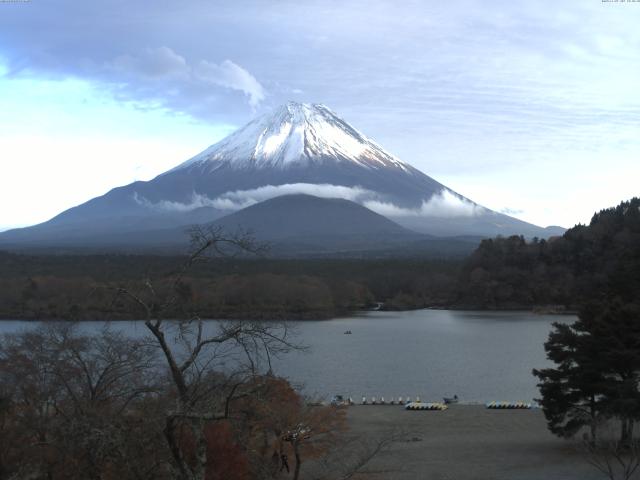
[{"x": 480, "y": 356}]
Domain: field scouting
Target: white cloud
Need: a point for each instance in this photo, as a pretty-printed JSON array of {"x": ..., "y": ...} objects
[
  {"x": 231, "y": 75},
  {"x": 239, "y": 199},
  {"x": 153, "y": 62},
  {"x": 244, "y": 198},
  {"x": 165, "y": 72},
  {"x": 197, "y": 201},
  {"x": 445, "y": 204},
  {"x": 511, "y": 211}
]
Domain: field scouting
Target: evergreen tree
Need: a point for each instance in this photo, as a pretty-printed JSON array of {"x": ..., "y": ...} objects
[
  {"x": 597, "y": 372},
  {"x": 571, "y": 392},
  {"x": 615, "y": 328}
]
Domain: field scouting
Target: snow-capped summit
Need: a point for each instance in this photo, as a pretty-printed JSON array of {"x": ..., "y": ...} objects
[
  {"x": 294, "y": 133},
  {"x": 298, "y": 149}
]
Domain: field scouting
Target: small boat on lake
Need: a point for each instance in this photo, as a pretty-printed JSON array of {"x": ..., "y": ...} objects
[
  {"x": 348, "y": 332},
  {"x": 450, "y": 400}
]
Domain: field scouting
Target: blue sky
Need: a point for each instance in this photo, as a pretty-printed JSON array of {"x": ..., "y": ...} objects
[{"x": 531, "y": 108}]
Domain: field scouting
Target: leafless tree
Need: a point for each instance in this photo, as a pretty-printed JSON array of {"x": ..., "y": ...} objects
[
  {"x": 73, "y": 404},
  {"x": 175, "y": 404},
  {"x": 352, "y": 456},
  {"x": 615, "y": 459},
  {"x": 193, "y": 350}
]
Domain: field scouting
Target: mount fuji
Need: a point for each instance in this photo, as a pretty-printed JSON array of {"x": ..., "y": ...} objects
[{"x": 298, "y": 149}]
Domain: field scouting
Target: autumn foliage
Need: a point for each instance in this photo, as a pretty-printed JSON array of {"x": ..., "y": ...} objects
[{"x": 74, "y": 407}]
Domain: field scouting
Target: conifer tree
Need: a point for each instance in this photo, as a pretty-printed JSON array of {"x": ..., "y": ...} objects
[
  {"x": 572, "y": 391},
  {"x": 597, "y": 372}
]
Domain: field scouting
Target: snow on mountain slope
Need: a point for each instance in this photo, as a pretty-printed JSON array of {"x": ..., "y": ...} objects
[
  {"x": 294, "y": 133},
  {"x": 297, "y": 149}
]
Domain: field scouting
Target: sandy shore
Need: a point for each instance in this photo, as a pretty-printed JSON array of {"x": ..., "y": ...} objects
[{"x": 470, "y": 442}]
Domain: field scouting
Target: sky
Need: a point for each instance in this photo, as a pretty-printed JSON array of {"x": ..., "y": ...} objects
[{"x": 528, "y": 108}]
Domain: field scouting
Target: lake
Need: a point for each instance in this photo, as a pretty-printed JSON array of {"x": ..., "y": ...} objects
[{"x": 480, "y": 356}]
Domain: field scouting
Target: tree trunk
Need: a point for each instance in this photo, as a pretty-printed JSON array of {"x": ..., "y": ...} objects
[
  {"x": 170, "y": 434},
  {"x": 626, "y": 432},
  {"x": 594, "y": 420},
  {"x": 176, "y": 373},
  {"x": 593, "y": 433},
  {"x": 201, "y": 449},
  {"x": 296, "y": 451},
  {"x": 629, "y": 432}
]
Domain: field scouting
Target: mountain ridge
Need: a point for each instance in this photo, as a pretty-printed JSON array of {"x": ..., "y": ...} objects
[
  {"x": 297, "y": 149},
  {"x": 294, "y": 133}
]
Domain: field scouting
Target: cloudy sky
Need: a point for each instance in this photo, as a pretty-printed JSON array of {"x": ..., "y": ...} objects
[{"x": 530, "y": 108}]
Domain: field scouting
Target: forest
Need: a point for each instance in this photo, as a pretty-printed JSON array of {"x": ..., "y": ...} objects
[
  {"x": 82, "y": 287},
  {"x": 593, "y": 385},
  {"x": 556, "y": 275},
  {"x": 562, "y": 272}
]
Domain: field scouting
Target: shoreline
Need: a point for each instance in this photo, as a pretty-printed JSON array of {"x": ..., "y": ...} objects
[{"x": 302, "y": 317}]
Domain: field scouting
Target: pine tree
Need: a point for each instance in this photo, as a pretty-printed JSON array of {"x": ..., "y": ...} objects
[
  {"x": 615, "y": 328},
  {"x": 597, "y": 371},
  {"x": 571, "y": 392}
]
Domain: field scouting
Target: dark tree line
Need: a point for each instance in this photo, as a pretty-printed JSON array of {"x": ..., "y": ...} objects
[
  {"x": 595, "y": 379},
  {"x": 558, "y": 274},
  {"x": 566, "y": 272},
  {"x": 79, "y": 287}
]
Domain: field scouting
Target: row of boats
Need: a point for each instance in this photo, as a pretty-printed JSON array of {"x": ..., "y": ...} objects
[
  {"x": 426, "y": 406},
  {"x": 508, "y": 405},
  {"x": 417, "y": 404},
  {"x": 490, "y": 405},
  {"x": 340, "y": 400}
]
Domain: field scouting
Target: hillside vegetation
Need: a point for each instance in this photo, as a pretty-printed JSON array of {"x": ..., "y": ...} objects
[
  {"x": 586, "y": 262},
  {"x": 83, "y": 287},
  {"x": 558, "y": 274}
]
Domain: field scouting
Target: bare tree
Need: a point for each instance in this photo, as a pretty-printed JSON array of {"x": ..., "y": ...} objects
[
  {"x": 194, "y": 350},
  {"x": 614, "y": 458},
  {"x": 191, "y": 400},
  {"x": 351, "y": 456},
  {"x": 73, "y": 405}
]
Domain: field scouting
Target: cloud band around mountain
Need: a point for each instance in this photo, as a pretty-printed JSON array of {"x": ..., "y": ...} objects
[{"x": 444, "y": 204}]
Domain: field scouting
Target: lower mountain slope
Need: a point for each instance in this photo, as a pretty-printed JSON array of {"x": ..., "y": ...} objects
[
  {"x": 300, "y": 216},
  {"x": 297, "y": 225}
]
